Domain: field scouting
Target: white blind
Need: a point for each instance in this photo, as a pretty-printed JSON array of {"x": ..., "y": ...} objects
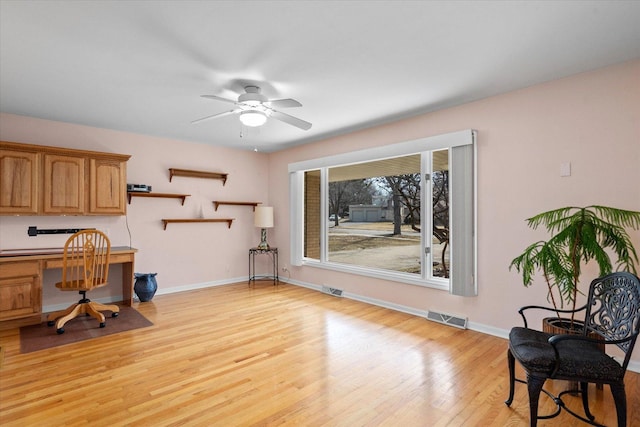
[
  {"x": 462, "y": 222},
  {"x": 296, "y": 209}
]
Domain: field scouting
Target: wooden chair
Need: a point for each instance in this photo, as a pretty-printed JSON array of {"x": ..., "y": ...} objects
[
  {"x": 612, "y": 313},
  {"x": 85, "y": 267}
]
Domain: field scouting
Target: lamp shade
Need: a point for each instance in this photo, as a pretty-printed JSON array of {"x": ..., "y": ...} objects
[
  {"x": 253, "y": 118},
  {"x": 263, "y": 217}
]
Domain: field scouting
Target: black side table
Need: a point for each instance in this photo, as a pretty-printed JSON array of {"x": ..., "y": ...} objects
[{"x": 273, "y": 252}]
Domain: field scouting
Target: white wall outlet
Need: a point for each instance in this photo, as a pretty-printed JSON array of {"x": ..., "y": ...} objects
[{"x": 565, "y": 169}]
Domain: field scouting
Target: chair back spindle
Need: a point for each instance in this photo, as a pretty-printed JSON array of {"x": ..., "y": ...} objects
[{"x": 86, "y": 260}]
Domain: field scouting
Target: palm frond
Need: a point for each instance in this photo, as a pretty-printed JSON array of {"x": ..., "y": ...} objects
[
  {"x": 623, "y": 218},
  {"x": 549, "y": 218},
  {"x": 581, "y": 235}
]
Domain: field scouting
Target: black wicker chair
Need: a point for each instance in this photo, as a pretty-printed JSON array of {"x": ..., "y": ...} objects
[{"x": 613, "y": 313}]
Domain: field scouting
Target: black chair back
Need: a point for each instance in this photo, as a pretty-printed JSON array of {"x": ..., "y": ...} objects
[{"x": 613, "y": 310}]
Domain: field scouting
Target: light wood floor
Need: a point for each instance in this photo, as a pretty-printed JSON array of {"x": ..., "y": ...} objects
[{"x": 285, "y": 355}]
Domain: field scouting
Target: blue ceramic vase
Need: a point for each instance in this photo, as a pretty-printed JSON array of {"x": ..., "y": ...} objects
[{"x": 145, "y": 286}]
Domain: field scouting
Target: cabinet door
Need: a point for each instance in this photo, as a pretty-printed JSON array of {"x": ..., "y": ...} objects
[
  {"x": 64, "y": 184},
  {"x": 18, "y": 182},
  {"x": 108, "y": 187},
  {"x": 20, "y": 290}
]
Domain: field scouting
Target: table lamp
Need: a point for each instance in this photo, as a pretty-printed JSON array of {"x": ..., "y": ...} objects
[{"x": 263, "y": 218}]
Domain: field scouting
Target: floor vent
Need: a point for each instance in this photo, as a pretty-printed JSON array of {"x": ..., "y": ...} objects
[
  {"x": 447, "y": 319},
  {"x": 332, "y": 291}
]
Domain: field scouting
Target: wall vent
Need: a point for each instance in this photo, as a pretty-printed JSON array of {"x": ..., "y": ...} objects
[
  {"x": 332, "y": 291},
  {"x": 447, "y": 319}
]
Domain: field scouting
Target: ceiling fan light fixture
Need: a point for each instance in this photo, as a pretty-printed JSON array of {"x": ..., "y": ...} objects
[
  {"x": 254, "y": 109},
  {"x": 253, "y": 118}
]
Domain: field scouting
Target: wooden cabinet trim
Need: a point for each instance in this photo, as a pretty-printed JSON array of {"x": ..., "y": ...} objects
[{"x": 19, "y": 146}]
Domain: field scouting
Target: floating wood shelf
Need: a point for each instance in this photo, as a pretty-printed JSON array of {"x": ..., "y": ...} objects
[
  {"x": 189, "y": 220},
  {"x": 197, "y": 174},
  {"x": 217, "y": 203},
  {"x": 163, "y": 195}
]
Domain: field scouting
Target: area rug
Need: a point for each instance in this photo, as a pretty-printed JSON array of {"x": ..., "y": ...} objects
[{"x": 40, "y": 337}]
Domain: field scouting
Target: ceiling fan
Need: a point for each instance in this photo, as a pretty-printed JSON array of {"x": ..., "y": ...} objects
[{"x": 254, "y": 109}]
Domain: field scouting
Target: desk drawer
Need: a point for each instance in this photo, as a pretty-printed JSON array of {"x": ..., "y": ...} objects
[
  {"x": 113, "y": 259},
  {"x": 120, "y": 258},
  {"x": 52, "y": 263},
  {"x": 19, "y": 269}
]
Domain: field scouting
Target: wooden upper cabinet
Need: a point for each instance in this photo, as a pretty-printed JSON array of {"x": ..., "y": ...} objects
[
  {"x": 41, "y": 180},
  {"x": 63, "y": 184},
  {"x": 107, "y": 181},
  {"x": 18, "y": 182}
]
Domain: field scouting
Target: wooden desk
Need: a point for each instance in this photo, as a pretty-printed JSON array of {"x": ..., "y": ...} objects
[{"x": 21, "y": 281}]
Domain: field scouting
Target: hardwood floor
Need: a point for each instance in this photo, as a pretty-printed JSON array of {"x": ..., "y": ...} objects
[{"x": 285, "y": 355}]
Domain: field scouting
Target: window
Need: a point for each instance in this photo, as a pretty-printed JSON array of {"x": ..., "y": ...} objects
[{"x": 365, "y": 212}]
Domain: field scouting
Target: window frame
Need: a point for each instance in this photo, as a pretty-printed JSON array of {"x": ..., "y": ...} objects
[{"x": 419, "y": 146}]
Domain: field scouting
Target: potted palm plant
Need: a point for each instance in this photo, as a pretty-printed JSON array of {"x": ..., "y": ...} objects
[{"x": 581, "y": 235}]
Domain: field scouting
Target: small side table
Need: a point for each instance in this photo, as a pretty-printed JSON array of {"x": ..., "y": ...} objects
[{"x": 273, "y": 252}]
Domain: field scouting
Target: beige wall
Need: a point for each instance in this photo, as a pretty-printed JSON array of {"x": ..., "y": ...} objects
[
  {"x": 185, "y": 255},
  {"x": 591, "y": 120}
]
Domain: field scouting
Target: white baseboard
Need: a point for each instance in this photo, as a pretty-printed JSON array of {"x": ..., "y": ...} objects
[{"x": 202, "y": 285}]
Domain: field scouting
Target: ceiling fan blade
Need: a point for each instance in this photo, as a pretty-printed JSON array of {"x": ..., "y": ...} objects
[
  {"x": 214, "y": 116},
  {"x": 283, "y": 103},
  {"x": 294, "y": 121},
  {"x": 218, "y": 98}
]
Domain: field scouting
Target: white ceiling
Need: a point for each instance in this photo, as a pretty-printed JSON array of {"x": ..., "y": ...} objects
[{"x": 141, "y": 66}]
